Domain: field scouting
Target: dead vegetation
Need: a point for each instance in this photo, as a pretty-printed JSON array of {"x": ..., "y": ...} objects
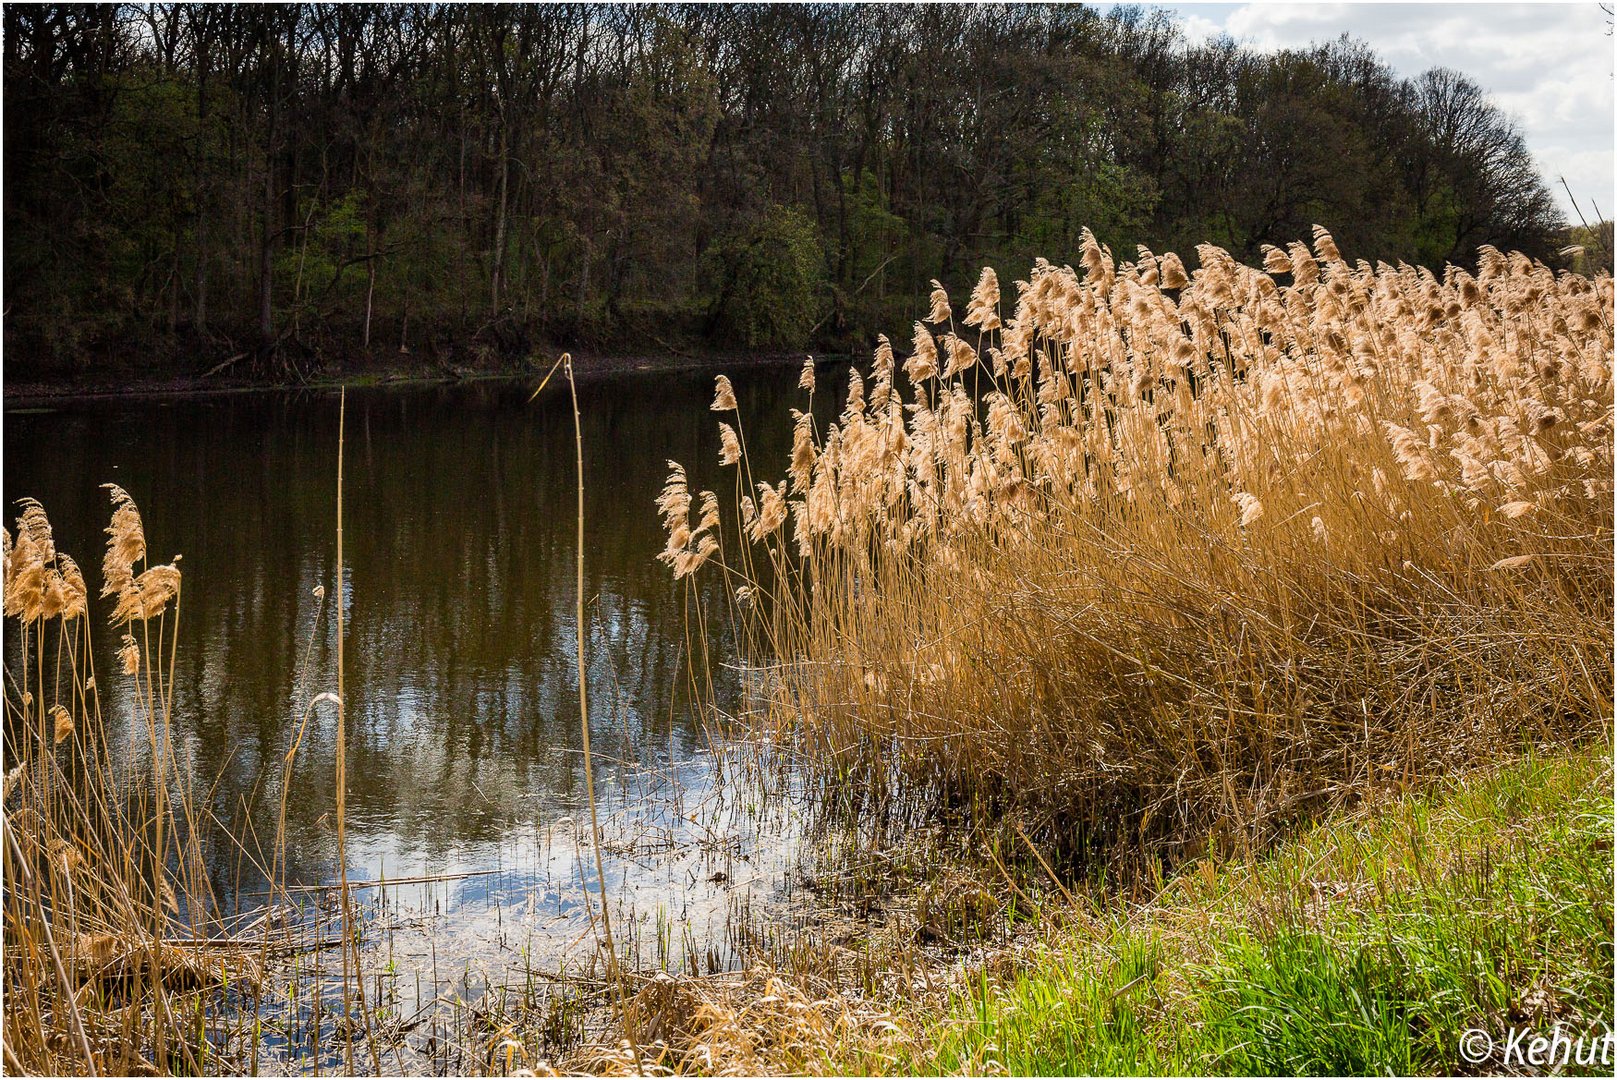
[
  {"x": 108, "y": 910},
  {"x": 1165, "y": 560},
  {"x": 747, "y": 1024}
]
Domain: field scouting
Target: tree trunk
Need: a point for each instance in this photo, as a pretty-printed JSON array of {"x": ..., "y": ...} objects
[
  {"x": 266, "y": 258},
  {"x": 500, "y": 223},
  {"x": 584, "y": 282},
  {"x": 370, "y": 293},
  {"x": 199, "y": 225},
  {"x": 266, "y": 247},
  {"x": 175, "y": 276},
  {"x": 199, "y": 285}
]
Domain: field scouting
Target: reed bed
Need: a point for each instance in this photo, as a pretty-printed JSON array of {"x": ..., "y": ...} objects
[
  {"x": 120, "y": 957},
  {"x": 112, "y": 957},
  {"x": 1162, "y": 561}
]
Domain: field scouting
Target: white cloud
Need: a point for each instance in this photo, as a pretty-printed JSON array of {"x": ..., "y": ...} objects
[
  {"x": 1549, "y": 66},
  {"x": 1199, "y": 28}
]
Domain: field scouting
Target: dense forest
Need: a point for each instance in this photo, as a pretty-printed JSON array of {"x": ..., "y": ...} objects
[{"x": 310, "y": 186}]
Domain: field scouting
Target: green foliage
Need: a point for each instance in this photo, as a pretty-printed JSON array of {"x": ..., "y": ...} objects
[
  {"x": 327, "y": 256},
  {"x": 553, "y": 168},
  {"x": 1367, "y": 946},
  {"x": 1113, "y": 200},
  {"x": 1591, "y": 247},
  {"x": 105, "y": 270},
  {"x": 769, "y": 281},
  {"x": 1436, "y": 225}
]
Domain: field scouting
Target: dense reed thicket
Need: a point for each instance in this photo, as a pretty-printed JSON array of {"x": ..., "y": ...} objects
[
  {"x": 107, "y": 898},
  {"x": 1149, "y": 557}
]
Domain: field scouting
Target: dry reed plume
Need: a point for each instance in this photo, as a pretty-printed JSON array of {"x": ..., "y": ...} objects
[
  {"x": 105, "y": 887},
  {"x": 1169, "y": 558}
]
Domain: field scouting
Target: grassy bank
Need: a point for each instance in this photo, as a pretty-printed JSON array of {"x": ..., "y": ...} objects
[{"x": 1366, "y": 945}]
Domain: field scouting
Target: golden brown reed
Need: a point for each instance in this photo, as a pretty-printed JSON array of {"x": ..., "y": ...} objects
[
  {"x": 1194, "y": 555},
  {"x": 97, "y": 850}
]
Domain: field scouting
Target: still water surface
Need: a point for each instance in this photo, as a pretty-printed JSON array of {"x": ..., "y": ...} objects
[{"x": 463, "y": 739}]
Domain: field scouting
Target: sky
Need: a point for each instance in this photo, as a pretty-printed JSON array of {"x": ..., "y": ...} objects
[{"x": 1547, "y": 65}]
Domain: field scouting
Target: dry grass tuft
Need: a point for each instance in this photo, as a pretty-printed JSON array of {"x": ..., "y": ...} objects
[
  {"x": 748, "y": 1024},
  {"x": 1187, "y": 557}
]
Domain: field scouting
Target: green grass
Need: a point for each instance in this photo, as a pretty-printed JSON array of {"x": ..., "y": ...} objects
[{"x": 1365, "y": 945}]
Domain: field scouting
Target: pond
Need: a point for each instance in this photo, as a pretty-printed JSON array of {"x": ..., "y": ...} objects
[{"x": 464, "y": 756}]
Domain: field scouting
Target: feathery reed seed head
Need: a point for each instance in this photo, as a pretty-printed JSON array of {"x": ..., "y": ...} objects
[{"x": 724, "y": 396}]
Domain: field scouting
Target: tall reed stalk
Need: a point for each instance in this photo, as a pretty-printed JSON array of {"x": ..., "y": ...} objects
[
  {"x": 614, "y": 970},
  {"x": 351, "y": 967}
]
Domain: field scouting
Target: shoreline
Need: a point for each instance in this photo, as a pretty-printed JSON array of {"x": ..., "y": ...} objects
[
  {"x": 1237, "y": 963},
  {"x": 36, "y": 392}
]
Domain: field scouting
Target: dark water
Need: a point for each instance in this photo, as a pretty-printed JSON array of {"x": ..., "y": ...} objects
[{"x": 463, "y": 731}]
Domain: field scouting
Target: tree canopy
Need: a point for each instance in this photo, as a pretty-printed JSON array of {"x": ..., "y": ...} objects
[{"x": 300, "y": 181}]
